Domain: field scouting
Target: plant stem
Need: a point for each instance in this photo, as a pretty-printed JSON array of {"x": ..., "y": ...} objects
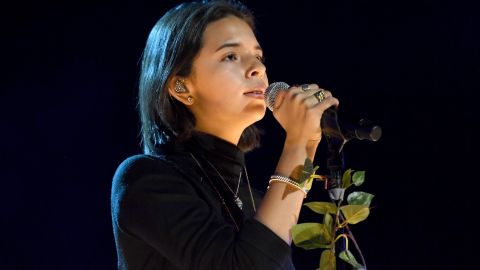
[
  {"x": 350, "y": 234},
  {"x": 337, "y": 224}
]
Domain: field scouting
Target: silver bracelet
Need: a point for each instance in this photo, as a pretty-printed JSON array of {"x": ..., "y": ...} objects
[{"x": 287, "y": 180}]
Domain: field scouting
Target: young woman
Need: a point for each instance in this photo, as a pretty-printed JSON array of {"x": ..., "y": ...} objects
[{"x": 186, "y": 203}]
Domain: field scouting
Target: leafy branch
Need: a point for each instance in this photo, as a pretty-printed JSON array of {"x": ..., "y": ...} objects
[{"x": 336, "y": 218}]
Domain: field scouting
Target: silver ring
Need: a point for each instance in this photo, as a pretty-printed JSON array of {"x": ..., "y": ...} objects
[
  {"x": 320, "y": 95},
  {"x": 305, "y": 87}
]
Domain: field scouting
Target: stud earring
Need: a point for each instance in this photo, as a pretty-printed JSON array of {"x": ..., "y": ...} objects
[
  {"x": 179, "y": 87},
  {"x": 190, "y": 99}
]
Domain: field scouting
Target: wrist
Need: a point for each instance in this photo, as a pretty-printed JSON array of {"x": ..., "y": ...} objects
[
  {"x": 312, "y": 148},
  {"x": 292, "y": 160},
  {"x": 295, "y": 152},
  {"x": 293, "y": 142}
]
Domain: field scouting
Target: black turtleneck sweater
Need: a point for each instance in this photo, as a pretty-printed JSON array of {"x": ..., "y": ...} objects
[{"x": 169, "y": 212}]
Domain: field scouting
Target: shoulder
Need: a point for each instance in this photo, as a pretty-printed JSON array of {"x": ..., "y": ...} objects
[
  {"x": 139, "y": 166},
  {"x": 133, "y": 169},
  {"x": 143, "y": 181},
  {"x": 150, "y": 172},
  {"x": 136, "y": 165}
]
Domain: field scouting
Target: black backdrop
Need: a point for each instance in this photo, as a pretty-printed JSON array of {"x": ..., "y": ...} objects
[{"x": 68, "y": 119}]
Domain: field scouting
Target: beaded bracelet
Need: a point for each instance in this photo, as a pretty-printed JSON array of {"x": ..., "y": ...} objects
[{"x": 287, "y": 180}]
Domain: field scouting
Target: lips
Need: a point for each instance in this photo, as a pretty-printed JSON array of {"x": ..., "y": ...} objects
[
  {"x": 258, "y": 89},
  {"x": 255, "y": 92}
]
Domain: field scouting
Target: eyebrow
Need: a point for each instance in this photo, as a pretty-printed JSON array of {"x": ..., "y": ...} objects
[{"x": 235, "y": 44}]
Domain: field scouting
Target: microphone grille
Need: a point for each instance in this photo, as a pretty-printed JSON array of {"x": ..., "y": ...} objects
[{"x": 272, "y": 91}]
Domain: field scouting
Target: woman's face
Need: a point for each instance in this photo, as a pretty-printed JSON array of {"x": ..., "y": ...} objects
[{"x": 228, "y": 78}]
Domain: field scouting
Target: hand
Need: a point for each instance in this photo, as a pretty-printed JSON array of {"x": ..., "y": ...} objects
[{"x": 299, "y": 112}]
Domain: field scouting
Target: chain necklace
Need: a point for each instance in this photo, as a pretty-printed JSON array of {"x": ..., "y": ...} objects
[
  {"x": 218, "y": 193},
  {"x": 235, "y": 194},
  {"x": 250, "y": 189}
]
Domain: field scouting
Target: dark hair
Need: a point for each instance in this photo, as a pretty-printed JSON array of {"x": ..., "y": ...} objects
[{"x": 172, "y": 45}]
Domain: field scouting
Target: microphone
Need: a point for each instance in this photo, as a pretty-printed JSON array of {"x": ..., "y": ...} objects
[{"x": 343, "y": 127}]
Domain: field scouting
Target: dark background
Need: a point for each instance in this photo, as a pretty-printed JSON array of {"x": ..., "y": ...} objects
[{"x": 68, "y": 95}]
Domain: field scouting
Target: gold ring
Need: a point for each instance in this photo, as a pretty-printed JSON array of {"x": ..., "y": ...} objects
[{"x": 320, "y": 95}]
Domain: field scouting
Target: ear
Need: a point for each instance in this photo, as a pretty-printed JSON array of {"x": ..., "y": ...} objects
[{"x": 178, "y": 90}]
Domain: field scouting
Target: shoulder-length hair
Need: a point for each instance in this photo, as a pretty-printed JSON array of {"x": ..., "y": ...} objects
[{"x": 171, "y": 47}]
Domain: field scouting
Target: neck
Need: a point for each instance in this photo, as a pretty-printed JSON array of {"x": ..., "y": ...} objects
[{"x": 229, "y": 134}]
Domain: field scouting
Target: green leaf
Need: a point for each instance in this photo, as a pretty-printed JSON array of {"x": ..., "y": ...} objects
[
  {"x": 307, "y": 184},
  {"x": 328, "y": 223},
  {"x": 360, "y": 198},
  {"x": 347, "y": 256},
  {"x": 308, "y": 165},
  {"x": 310, "y": 236},
  {"x": 355, "y": 213},
  {"x": 328, "y": 260},
  {"x": 358, "y": 178},
  {"x": 347, "y": 178},
  {"x": 322, "y": 207},
  {"x": 308, "y": 170}
]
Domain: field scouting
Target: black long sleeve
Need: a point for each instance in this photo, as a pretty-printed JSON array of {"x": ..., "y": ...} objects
[{"x": 164, "y": 219}]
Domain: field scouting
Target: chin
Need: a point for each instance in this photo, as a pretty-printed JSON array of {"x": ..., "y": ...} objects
[
  {"x": 252, "y": 114},
  {"x": 257, "y": 116}
]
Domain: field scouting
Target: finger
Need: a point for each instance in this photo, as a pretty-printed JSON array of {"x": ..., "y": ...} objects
[
  {"x": 304, "y": 90},
  {"x": 316, "y": 96},
  {"x": 326, "y": 103},
  {"x": 326, "y": 93},
  {"x": 279, "y": 99},
  {"x": 307, "y": 87},
  {"x": 294, "y": 93},
  {"x": 312, "y": 92}
]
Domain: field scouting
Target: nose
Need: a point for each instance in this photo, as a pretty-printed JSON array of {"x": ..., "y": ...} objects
[{"x": 256, "y": 69}]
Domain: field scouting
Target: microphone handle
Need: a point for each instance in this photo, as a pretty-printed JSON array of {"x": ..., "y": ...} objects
[{"x": 340, "y": 126}]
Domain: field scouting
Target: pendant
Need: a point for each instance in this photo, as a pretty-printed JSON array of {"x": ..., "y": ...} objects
[{"x": 239, "y": 202}]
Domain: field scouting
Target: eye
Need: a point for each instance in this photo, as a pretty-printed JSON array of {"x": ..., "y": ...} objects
[
  {"x": 261, "y": 58},
  {"x": 230, "y": 57}
]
